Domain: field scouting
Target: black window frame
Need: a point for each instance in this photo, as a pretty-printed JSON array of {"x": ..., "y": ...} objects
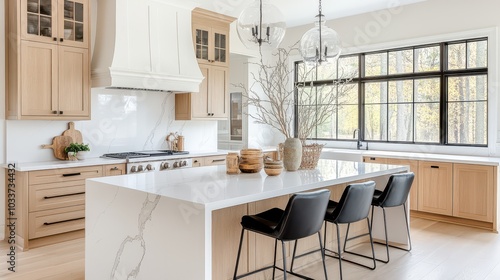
[{"x": 442, "y": 74}]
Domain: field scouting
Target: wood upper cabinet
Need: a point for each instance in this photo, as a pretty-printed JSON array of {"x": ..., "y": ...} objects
[
  {"x": 211, "y": 37},
  {"x": 61, "y": 22},
  {"x": 48, "y": 65},
  {"x": 473, "y": 191},
  {"x": 435, "y": 192},
  {"x": 211, "y": 43}
]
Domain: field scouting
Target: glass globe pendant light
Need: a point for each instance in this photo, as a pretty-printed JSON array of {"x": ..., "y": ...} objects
[
  {"x": 261, "y": 25},
  {"x": 320, "y": 44}
]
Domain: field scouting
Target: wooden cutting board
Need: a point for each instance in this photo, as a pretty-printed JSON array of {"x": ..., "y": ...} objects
[
  {"x": 59, "y": 143},
  {"x": 74, "y": 134}
]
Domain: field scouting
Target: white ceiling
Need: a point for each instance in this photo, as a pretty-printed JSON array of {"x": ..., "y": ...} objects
[{"x": 300, "y": 12}]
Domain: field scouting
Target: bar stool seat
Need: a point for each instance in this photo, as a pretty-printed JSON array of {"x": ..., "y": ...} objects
[{"x": 302, "y": 217}]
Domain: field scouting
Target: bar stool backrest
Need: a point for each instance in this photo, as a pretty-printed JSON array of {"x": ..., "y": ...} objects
[
  {"x": 397, "y": 190},
  {"x": 354, "y": 205},
  {"x": 303, "y": 215}
]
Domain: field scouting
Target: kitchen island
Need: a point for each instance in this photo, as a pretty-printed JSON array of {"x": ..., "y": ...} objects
[{"x": 184, "y": 224}]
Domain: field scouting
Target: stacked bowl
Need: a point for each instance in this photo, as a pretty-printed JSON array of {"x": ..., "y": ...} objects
[
  {"x": 251, "y": 160},
  {"x": 273, "y": 168}
]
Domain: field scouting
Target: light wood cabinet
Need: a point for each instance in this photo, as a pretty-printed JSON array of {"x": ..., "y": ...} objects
[
  {"x": 211, "y": 43},
  {"x": 49, "y": 62},
  {"x": 197, "y": 162},
  {"x": 114, "y": 169},
  {"x": 473, "y": 191},
  {"x": 380, "y": 160},
  {"x": 50, "y": 204},
  {"x": 435, "y": 187},
  {"x": 211, "y": 37},
  {"x": 413, "y": 164}
]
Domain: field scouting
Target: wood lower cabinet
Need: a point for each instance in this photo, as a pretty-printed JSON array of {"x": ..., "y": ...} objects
[
  {"x": 50, "y": 204},
  {"x": 435, "y": 187},
  {"x": 114, "y": 169},
  {"x": 413, "y": 164},
  {"x": 210, "y": 160},
  {"x": 473, "y": 191}
]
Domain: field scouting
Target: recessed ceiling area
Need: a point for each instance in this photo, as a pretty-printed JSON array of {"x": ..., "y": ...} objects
[{"x": 300, "y": 12}]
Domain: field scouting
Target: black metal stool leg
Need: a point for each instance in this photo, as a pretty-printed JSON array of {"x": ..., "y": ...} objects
[
  {"x": 407, "y": 226},
  {"x": 322, "y": 255},
  {"x": 275, "y": 249},
  {"x": 386, "y": 238},
  {"x": 293, "y": 255},
  {"x": 284, "y": 259},
  {"x": 371, "y": 243},
  {"x": 239, "y": 252},
  {"x": 339, "y": 252},
  {"x": 346, "y": 235}
]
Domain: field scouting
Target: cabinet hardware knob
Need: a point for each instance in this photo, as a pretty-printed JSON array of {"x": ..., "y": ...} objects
[
  {"x": 61, "y": 40},
  {"x": 55, "y": 39},
  {"x": 61, "y": 112},
  {"x": 54, "y": 112}
]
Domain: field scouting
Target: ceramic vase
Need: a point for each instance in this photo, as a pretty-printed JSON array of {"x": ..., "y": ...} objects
[{"x": 292, "y": 154}]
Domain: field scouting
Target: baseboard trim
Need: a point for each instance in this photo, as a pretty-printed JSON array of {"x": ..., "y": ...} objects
[{"x": 452, "y": 220}]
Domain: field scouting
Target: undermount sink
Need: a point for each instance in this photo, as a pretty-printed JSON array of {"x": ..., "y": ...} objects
[{"x": 342, "y": 155}]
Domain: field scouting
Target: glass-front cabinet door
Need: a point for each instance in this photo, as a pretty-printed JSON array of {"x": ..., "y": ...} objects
[
  {"x": 211, "y": 45},
  {"x": 56, "y": 21}
]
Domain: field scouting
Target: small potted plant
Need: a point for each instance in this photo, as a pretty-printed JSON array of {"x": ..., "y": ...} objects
[{"x": 77, "y": 151}]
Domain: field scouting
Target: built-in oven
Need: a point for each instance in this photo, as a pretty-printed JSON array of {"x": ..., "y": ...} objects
[{"x": 154, "y": 160}]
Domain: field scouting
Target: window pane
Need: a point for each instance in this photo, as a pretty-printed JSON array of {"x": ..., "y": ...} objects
[
  {"x": 347, "y": 94},
  {"x": 376, "y": 122},
  {"x": 327, "y": 71},
  {"x": 456, "y": 56},
  {"x": 427, "y": 122},
  {"x": 467, "y": 88},
  {"x": 348, "y": 67},
  {"x": 306, "y": 95},
  {"x": 375, "y": 93},
  {"x": 376, "y": 64},
  {"x": 400, "y": 122},
  {"x": 326, "y": 95},
  {"x": 401, "y": 91},
  {"x": 467, "y": 123},
  {"x": 329, "y": 126},
  {"x": 427, "y": 59},
  {"x": 477, "y": 54},
  {"x": 401, "y": 62},
  {"x": 427, "y": 90},
  {"x": 305, "y": 73},
  {"x": 348, "y": 121}
]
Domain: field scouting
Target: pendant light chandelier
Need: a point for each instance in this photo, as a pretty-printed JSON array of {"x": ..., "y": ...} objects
[
  {"x": 320, "y": 44},
  {"x": 261, "y": 25}
]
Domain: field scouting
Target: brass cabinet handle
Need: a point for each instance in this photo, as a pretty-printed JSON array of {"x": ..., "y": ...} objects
[
  {"x": 218, "y": 160},
  {"x": 63, "y": 221},
  {"x": 62, "y": 195}
]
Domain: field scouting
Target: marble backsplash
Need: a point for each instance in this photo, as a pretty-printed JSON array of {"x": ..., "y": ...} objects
[{"x": 122, "y": 120}]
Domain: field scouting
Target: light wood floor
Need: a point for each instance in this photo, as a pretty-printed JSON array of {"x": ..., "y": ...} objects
[{"x": 440, "y": 251}]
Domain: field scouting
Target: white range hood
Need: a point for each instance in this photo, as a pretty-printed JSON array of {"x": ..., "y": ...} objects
[{"x": 145, "y": 45}]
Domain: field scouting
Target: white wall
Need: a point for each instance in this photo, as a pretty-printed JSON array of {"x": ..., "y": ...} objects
[{"x": 429, "y": 21}]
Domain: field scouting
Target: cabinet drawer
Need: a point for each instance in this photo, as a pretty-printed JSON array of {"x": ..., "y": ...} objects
[
  {"x": 64, "y": 174},
  {"x": 51, "y": 196},
  {"x": 215, "y": 160},
  {"x": 114, "y": 169},
  {"x": 50, "y": 222}
]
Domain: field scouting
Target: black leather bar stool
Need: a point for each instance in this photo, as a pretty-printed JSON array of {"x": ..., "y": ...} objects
[
  {"x": 395, "y": 194},
  {"x": 353, "y": 206},
  {"x": 302, "y": 217}
]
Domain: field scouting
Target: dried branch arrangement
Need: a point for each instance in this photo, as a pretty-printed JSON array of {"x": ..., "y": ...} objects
[{"x": 272, "y": 94}]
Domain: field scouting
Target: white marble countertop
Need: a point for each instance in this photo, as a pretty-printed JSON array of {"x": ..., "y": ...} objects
[
  {"x": 495, "y": 161},
  {"x": 211, "y": 188},
  {"x": 53, "y": 164}
]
